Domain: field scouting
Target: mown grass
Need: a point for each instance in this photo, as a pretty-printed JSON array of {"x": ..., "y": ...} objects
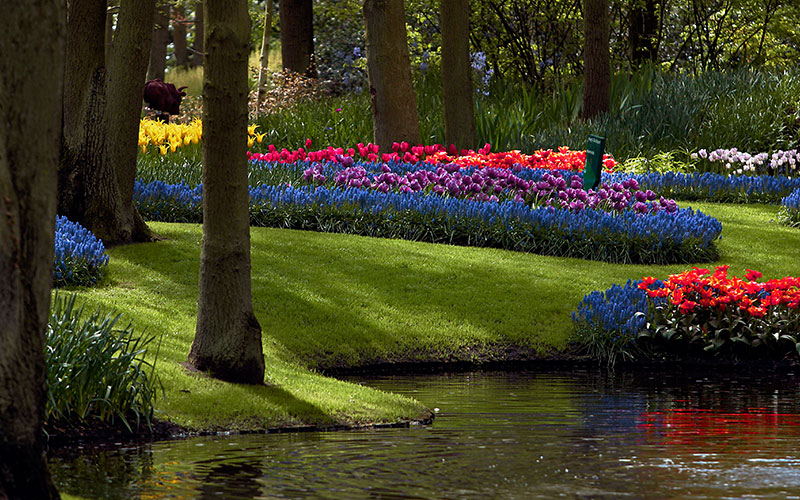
[{"x": 329, "y": 301}]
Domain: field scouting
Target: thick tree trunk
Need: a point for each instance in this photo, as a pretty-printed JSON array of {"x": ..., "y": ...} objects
[
  {"x": 596, "y": 58},
  {"x": 88, "y": 192},
  {"x": 459, "y": 107},
  {"x": 642, "y": 31},
  {"x": 394, "y": 104},
  {"x": 110, "y": 11},
  {"x": 159, "y": 41},
  {"x": 263, "y": 69},
  {"x": 227, "y": 342},
  {"x": 198, "y": 46},
  {"x": 297, "y": 36},
  {"x": 31, "y": 83},
  {"x": 125, "y": 94},
  {"x": 179, "y": 36}
]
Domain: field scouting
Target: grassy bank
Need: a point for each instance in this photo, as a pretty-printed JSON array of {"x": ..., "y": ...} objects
[{"x": 328, "y": 301}]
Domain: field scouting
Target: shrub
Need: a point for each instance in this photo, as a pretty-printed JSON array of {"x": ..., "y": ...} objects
[
  {"x": 95, "y": 370},
  {"x": 80, "y": 257}
]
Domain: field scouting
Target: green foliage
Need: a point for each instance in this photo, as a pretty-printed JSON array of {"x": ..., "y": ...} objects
[
  {"x": 96, "y": 371},
  {"x": 184, "y": 165},
  {"x": 668, "y": 161},
  {"x": 732, "y": 333}
]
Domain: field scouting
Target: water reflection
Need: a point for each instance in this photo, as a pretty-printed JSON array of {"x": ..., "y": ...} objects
[{"x": 499, "y": 435}]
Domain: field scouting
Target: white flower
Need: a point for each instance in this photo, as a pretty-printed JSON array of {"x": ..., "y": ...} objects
[{"x": 703, "y": 153}]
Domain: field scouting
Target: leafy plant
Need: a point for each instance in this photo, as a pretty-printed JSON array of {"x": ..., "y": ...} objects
[{"x": 96, "y": 371}]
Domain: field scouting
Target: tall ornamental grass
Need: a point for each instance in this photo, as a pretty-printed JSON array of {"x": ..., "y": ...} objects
[
  {"x": 96, "y": 370},
  {"x": 650, "y": 112}
]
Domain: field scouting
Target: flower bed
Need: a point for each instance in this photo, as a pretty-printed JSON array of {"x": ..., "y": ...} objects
[
  {"x": 714, "y": 187},
  {"x": 627, "y": 236},
  {"x": 80, "y": 257},
  {"x": 790, "y": 209},
  {"x": 696, "y": 313}
]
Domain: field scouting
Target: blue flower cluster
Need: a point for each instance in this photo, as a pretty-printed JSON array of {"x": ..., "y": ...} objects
[
  {"x": 608, "y": 323},
  {"x": 615, "y": 309},
  {"x": 790, "y": 209},
  {"x": 159, "y": 201},
  {"x": 792, "y": 201},
  {"x": 80, "y": 257}
]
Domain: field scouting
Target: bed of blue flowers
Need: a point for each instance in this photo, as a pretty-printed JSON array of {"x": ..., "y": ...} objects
[
  {"x": 790, "y": 209},
  {"x": 80, "y": 257},
  {"x": 535, "y": 211}
]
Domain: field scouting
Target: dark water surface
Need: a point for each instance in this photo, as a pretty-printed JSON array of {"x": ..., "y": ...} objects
[{"x": 575, "y": 435}]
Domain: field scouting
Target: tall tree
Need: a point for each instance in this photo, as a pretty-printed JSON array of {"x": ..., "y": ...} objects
[
  {"x": 596, "y": 58},
  {"x": 127, "y": 71},
  {"x": 198, "y": 49},
  {"x": 643, "y": 31},
  {"x": 227, "y": 341},
  {"x": 31, "y": 80},
  {"x": 394, "y": 104},
  {"x": 297, "y": 36},
  {"x": 459, "y": 106},
  {"x": 263, "y": 67},
  {"x": 179, "y": 35},
  {"x": 159, "y": 41},
  {"x": 87, "y": 185}
]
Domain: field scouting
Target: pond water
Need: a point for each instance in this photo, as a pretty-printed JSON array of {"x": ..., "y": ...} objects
[{"x": 578, "y": 435}]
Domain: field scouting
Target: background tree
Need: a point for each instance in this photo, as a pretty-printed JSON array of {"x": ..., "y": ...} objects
[
  {"x": 159, "y": 41},
  {"x": 127, "y": 71},
  {"x": 643, "y": 31},
  {"x": 179, "y": 35},
  {"x": 263, "y": 68},
  {"x": 459, "y": 105},
  {"x": 198, "y": 49},
  {"x": 297, "y": 36},
  {"x": 596, "y": 58},
  {"x": 227, "y": 341},
  {"x": 394, "y": 104},
  {"x": 31, "y": 79}
]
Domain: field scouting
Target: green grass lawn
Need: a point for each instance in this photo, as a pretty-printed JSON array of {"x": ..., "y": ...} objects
[{"x": 328, "y": 301}]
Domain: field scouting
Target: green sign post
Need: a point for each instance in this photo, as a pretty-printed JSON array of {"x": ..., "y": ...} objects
[{"x": 594, "y": 162}]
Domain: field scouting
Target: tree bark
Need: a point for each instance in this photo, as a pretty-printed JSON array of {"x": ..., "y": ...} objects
[
  {"x": 126, "y": 80},
  {"x": 198, "y": 46},
  {"x": 459, "y": 107},
  {"x": 227, "y": 341},
  {"x": 297, "y": 36},
  {"x": 394, "y": 104},
  {"x": 160, "y": 40},
  {"x": 264, "y": 60},
  {"x": 88, "y": 191},
  {"x": 31, "y": 84},
  {"x": 642, "y": 31},
  {"x": 110, "y": 11},
  {"x": 596, "y": 58},
  {"x": 179, "y": 36}
]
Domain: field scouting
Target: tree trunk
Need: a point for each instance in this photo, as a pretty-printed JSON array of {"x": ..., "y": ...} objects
[
  {"x": 88, "y": 192},
  {"x": 179, "y": 36},
  {"x": 110, "y": 11},
  {"x": 31, "y": 79},
  {"x": 263, "y": 69},
  {"x": 160, "y": 40},
  {"x": 198, "y": 46},
  {"x": 227, "y": 342},
  {"x": 125, "y": 94},
  {"x": 596, "y": 58},
  {"x": 459, "y": 107},
  {"x": 394, "y": 105},
  {"x": 297, "y": 36},
  {"x": 642, "y": 31}
]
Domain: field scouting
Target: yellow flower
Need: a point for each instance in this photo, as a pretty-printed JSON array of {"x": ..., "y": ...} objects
[
  {"x": 251, "y": 129},
  {"x": 164, "y": 148},
  {"x": 250, "y": 142},
  {"x": 260, "y": 137}
]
